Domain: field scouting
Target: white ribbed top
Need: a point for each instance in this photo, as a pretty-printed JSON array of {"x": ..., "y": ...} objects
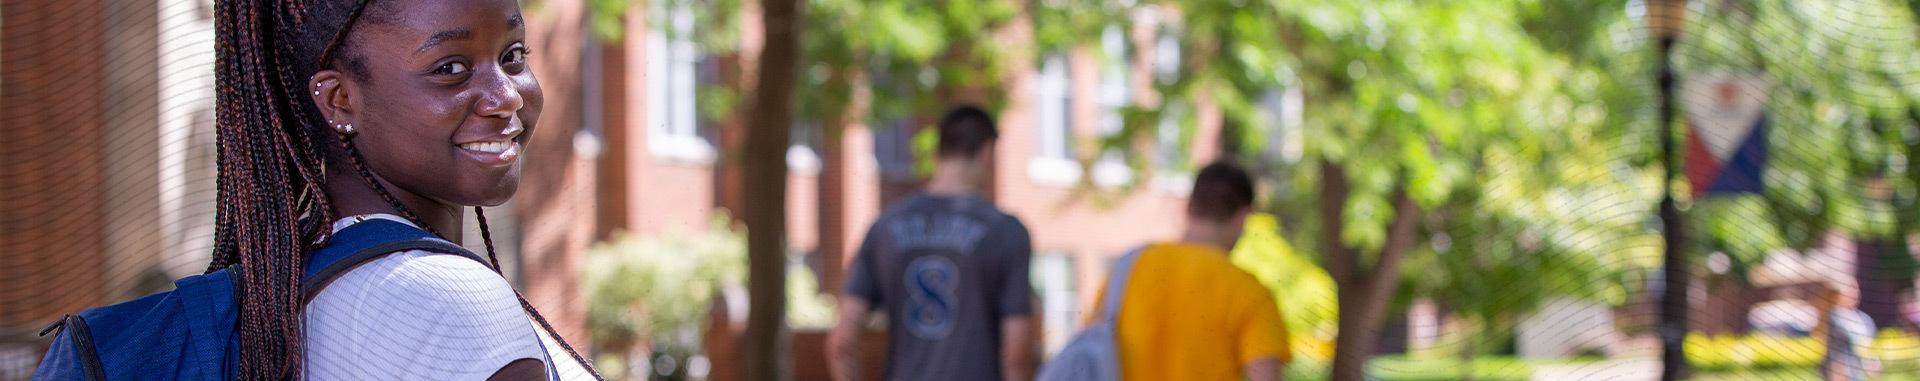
[{"x": 416, "y": 315}]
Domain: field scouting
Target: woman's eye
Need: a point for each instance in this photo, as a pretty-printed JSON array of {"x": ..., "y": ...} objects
[
  {"x": 451, "y": 68},
  {"x": 516, "y": 55}
]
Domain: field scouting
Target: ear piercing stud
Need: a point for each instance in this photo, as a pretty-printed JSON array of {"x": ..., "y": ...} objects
[{"x": 346, "y": 129}]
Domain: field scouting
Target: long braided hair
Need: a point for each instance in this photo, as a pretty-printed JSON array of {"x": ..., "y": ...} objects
[{"x": 273, "y": 207}]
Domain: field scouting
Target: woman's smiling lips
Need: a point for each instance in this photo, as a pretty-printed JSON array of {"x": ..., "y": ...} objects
[{"x": 497, "y": 151}]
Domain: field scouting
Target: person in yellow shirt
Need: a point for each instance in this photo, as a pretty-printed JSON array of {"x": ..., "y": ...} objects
[{"x": 1188, "y": 313}]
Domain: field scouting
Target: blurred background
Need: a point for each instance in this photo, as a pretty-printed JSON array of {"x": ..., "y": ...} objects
[{"x": 1450, "y": 190}]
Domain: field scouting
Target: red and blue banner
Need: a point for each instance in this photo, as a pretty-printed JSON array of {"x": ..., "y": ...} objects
[{"x": 1726, "y": 134}]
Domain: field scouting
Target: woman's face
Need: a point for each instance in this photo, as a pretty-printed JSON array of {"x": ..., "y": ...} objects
[{"x": 443, "y": 100}]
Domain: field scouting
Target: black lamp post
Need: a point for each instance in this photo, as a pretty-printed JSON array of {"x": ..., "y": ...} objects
[{"x": 1666, "y": 19}]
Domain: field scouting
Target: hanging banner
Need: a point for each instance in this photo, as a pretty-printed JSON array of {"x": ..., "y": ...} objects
[{"x": 1726, "y": 133}]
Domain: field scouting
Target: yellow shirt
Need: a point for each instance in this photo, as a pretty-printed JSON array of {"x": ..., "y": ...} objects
[{"x": 1189, "y": 314}]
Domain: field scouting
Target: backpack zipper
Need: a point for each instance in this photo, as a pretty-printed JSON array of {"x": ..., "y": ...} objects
[
  {"x": 83, "y": 342},
  {"x": 55, "y": 326}
]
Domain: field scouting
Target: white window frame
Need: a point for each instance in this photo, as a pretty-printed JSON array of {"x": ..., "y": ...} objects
[
  {"x": 1053, "y": 162},
  {"x": 673, "y": 123}
]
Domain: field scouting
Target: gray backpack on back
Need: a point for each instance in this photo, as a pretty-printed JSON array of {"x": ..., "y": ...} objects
[{"x": 1094, "y": 353}]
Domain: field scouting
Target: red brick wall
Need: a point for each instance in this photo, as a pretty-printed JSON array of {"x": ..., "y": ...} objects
[
  {"x": 52, "y": 209},
  {"x": 555, "y": 203},
  {"x": 647, "y": 195}
]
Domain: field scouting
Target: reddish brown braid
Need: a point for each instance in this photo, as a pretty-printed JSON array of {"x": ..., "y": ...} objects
[
  {"x": 486, "y": 235},
  {"x": 366, "y": 175},
  {"x": 270, "y": 210}
]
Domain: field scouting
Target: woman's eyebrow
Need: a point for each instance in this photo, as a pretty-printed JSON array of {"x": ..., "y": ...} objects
[
  {"x": 444, "y": 36},
  {"x": 514, "y": 21}
]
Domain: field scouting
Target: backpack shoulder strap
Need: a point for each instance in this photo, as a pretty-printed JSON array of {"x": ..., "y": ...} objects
[
  {"x": 1117, "y": 284},
  {"x": 366, "y": 241}
]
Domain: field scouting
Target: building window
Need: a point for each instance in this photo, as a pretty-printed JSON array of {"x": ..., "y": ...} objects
[
  {"x": 1053, "y": 159},
  {"x": 893, "y": 149},
  {"x": 1116, "y": 93},
  {"x": 1169, "y": 154},
  {"x": 673, "y": 60},
  {"x": 1173, "y": 166},
  {"x": 1054, "y": 279},
  {"x": 1166, "y": 57}
]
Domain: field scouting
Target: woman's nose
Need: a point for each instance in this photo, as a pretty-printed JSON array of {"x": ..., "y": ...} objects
[{"x": 498, "y": 95}]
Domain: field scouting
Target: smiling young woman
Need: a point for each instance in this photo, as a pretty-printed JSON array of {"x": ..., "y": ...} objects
[{"x": 334, "y": 113}]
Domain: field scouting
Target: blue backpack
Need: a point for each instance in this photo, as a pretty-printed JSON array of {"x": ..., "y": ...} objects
[
  {"x": 188, "y": 333},
  {"x": 1094, "y": 353}
]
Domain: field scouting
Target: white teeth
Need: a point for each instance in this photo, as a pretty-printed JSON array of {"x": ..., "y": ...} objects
[
  {"x": 513, "y": 151},
  {"x": 488, "y": 147}
]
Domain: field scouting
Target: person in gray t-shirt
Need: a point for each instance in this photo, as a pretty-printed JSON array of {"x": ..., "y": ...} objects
[{"x": 950, "y": 272}]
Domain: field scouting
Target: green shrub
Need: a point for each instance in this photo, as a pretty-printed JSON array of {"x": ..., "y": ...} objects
[
  {"x": 1899, "y": 354},
  {"x": 1727, "y": 352},
  {"x": 655, "y": 291},
  {"x": 1303, "y": 291}
]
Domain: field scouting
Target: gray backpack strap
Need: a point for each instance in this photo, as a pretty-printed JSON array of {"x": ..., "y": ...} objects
[{"x": 1117, "y": 284}]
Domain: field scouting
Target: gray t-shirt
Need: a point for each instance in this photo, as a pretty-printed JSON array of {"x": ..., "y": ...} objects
[{"x": 946, "y": 270}]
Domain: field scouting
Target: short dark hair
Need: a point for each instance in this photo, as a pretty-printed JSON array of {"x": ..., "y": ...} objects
[
  {"x": 965, "y": 131},
  {"x": 1220, "y": 190}
]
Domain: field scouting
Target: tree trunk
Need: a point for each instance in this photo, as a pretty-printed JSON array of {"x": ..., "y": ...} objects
[
  {"x": 766, "y": 190},
  {"x": 1363, "y": 291}
]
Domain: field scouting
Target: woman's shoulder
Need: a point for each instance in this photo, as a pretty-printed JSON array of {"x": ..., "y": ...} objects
[
  {"x": 417, "y": 314},
  {"x": 419, "y": 279}
]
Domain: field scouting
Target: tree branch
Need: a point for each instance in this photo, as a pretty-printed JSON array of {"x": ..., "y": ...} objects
[
  {"x": 1401, "y": 235},
  {"x": 1333, "y": 205}
]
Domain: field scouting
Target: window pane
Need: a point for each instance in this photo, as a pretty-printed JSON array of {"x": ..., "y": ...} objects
[
  {"x": 1055, "y": 98},
  {"x": 1053, "y": 274}
]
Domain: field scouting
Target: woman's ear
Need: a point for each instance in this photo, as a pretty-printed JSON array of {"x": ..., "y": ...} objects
[{"x": 334, "y": 94}]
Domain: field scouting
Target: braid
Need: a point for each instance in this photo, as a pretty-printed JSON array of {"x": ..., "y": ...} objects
[
  {"x": 271, "y": 204},
  {"x": 313, "y": 205},
  {"x": 486, "y": 234},
  {"x": 366, "y": 175}
]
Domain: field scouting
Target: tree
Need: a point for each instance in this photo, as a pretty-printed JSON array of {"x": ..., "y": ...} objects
[
  {"x": 1448, "y": 102},
  {"x": 766, "y": 185},
  {"x": 1413, "y": 110}
]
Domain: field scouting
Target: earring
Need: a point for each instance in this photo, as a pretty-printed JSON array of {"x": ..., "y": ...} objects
[
  {"x": 346, "y": 129},
  {"x": 316, "y": 92}
]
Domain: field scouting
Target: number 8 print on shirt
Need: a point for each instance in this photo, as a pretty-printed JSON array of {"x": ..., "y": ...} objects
[{"x": 931, "y": 282}]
